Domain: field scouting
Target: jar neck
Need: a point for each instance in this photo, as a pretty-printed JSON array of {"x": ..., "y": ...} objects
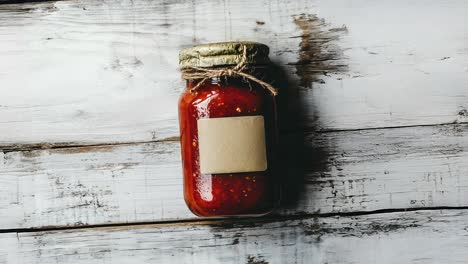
[
  {"x": 220, "y": 81},
  {"x": 259, "y": 73}
]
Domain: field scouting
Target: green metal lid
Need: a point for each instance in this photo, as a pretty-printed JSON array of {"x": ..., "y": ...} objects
[{"x": 223, "y": 54}]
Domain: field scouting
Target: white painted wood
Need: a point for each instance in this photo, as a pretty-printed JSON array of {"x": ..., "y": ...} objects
[
  {"x": 92, "y": 71},
  {"x": 89, "y": 185},
  {"x": 352, "y": 171},
  {"x": 412, "y": 237}
]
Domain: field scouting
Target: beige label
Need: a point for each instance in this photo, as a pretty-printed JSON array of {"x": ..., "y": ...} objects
[{"x": 232, "y": 144}]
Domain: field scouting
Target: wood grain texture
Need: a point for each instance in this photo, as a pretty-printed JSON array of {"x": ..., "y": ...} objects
[
  {"x": 334, "y": 172},
  {"x": 412, "y": 237},
  {"x": 106, "y": 71}
]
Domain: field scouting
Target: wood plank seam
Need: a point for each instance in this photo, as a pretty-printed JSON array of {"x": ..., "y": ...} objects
[
  {"x": 7, "y": 148},
  {"x": 65, "y": 145},
  {"x": 227, "y": 221}
]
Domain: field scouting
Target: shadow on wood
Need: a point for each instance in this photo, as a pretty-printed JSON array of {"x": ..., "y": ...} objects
[
  {"x": 295, "y": 156},
  {"x": 318, "y": 55}
]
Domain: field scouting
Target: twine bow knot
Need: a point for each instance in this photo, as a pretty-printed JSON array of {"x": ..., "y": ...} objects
[{"x": 193, "y": 73}]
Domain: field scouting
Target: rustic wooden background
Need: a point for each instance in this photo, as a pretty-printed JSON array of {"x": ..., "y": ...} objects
[{"x": 373, "y": 118}]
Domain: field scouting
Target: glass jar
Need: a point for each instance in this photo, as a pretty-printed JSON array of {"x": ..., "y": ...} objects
[{"x": 228, "y": 132}]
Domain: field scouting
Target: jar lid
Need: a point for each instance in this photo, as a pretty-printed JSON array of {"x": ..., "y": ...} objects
[{"x": 222, "y": 54}]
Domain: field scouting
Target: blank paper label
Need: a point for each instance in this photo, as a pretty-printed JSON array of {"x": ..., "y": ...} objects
[{"x": 232, "y": 144}]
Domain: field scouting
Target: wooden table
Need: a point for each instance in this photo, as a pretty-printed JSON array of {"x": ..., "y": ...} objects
[{"x": 373, "y": 115}]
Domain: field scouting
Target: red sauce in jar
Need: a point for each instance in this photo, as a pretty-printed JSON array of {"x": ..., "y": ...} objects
[{"x": 229, "y": 194}]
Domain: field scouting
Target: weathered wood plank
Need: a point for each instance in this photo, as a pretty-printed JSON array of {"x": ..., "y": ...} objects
[
  {"x": 91, "y": 71},
  {"x": 88, "y": 185},
  {"x": 348, "y": 171},
  {"x": 411, "y": 237}
]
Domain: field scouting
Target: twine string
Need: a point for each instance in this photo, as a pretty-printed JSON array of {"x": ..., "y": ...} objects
[{"x": 195, "y": 73}]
